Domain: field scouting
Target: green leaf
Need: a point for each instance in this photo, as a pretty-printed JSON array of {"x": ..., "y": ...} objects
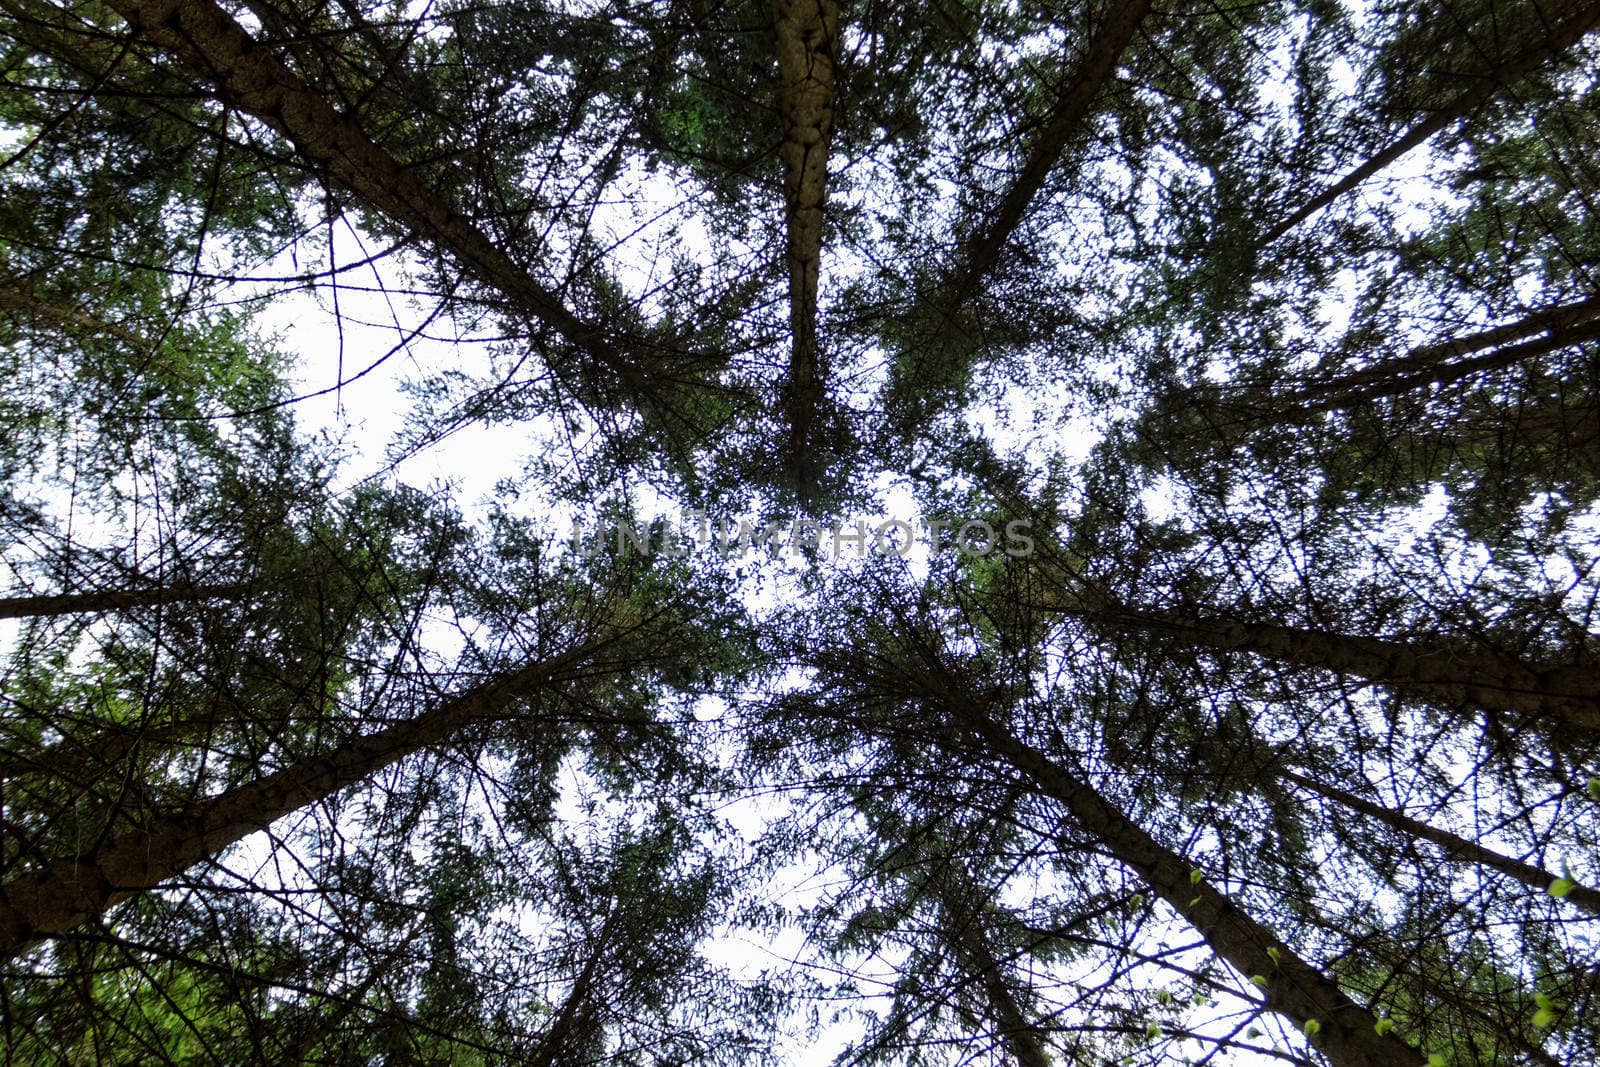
[
  {"x": 1383, "y": 1026},
  {"x": 1561, "y": 887},
  {"x": 1196, "y": 876},
  {"x": 1312, "y": 1028},
  {"x": 1260, "y": 980},
  {"x": 1594, "y": 788}
]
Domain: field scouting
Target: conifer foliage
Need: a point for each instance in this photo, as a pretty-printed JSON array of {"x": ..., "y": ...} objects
[{"x": 1208, "y": 393}]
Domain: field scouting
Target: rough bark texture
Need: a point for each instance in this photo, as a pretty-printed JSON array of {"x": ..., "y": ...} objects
[
  {"x": 71, "y": 891},
  {"x": 806, "y": 35},
  {"x": 1440, "y": 672},
  {"x": 85, "y": 759},
  {"x": 32, "y": 607},
  {"x": 1074, "y": 99},
  {"x": 1443, "y": 364},
  {"x": 964, "y": 930},
  {"x": 1556, "y": 438},
  {"x": 347, "y": 1003},
  {"x": 1567, "y": 28},
  {"x": 1456, "y": 849},
  {"x": 1345, "y": 1031},
  {"x": 248, "y": 77},
  {"x": 576, "y": 1003}
]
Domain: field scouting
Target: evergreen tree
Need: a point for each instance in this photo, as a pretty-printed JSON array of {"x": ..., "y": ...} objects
[{"x": 1267, "y": 333}]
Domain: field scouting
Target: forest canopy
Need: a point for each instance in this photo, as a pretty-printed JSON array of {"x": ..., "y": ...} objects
[{"x": 570, "y": 532}]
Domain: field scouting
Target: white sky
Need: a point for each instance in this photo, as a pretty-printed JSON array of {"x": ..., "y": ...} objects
[{"x": 368, "y": 414}]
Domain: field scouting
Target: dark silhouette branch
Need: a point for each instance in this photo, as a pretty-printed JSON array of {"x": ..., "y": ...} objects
[
  {"x": 70, "y": 891},
  {"x": 106, "y": 600},
  {"x": 1559, "y": 37},
  {"x": 248, "y": 77}
]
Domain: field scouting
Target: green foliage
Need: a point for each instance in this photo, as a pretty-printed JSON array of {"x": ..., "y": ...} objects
[{"x": 316, "y": 763}]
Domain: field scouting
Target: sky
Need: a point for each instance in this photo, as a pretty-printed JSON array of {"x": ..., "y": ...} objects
[{"x": 332, "y": 343}]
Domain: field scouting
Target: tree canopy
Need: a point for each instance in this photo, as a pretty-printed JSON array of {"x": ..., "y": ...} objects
[{"x": 696, "y": 531}]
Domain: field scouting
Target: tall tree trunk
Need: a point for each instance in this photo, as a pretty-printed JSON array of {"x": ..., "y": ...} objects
[
  {"x": 576, "y": 1002},
  {"x": 1456, "y": 849},
  {"x": 930, "y": 368},
  {"x": 248, "y": 77},
  {"x": 1555, "y": 437},
  {"x": 1452, "y": 673},
  {"x": 1578, "y": 19},
  {"x": 86, "y": 759},
  {"x": 68, "y": 892},
  {"x": 347, "y": 1003},
  {"x": 1344, "y": 1031},
  {"x": 1075, "y": 97},
  {"x": 962, "y": 927},
  {"x": 33, "y": 607},
  {"x": 807, "y": 33},
  {"x": 1442, "y": 364}
]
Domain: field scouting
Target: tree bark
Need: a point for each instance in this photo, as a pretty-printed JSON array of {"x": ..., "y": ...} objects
[
  {"x": 346, "y": 1004},
  {"x": 964, "y": 930},
  {"x": 806, "y": 33},
  {"x": 1456, "y": 849},
  {"x": 1344, "y": 1031},
  {"x": 1074, "y": 98},
  {"x": 81, "y": 760},
  {"x": 15, "y": 297},
  {"x": 1571, "y": 27},
  {"x": 576, "y": 1002},
  {"x": 105, "y": 600},
  {"x": 248, "y": 77},
  {"x": 1451, "y": 673},
  {"x": 67, "y": 892},
  {"x": 1562, "y": 327}
]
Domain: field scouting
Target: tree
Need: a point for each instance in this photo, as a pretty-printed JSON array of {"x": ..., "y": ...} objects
[{"x": 1258, "y": 339}]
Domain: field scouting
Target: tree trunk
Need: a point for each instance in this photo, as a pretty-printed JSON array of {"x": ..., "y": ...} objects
[
  {"x": 806, "y": 34},
  {"x": 576, "y": 1002},
  {"x": 68, "y": 892},
  {"x": 1574, "y": 23},
  {"x": 964, "y": 931},
  {"x": 1074, "y": 98},
  {"x": 33, "y": 607},
  {"x": 1344, "y": 1031},
  {"x": 1562, "y": 327},
  {"x": 1442, "y": 672},
  {"x": 13, "y": 296},
  {"x": 347, "y": 1003},
  {"x": 85, "y": 759},
  {"x": 1456, "y": 849},
  {"x": 248, "y": 77}
]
